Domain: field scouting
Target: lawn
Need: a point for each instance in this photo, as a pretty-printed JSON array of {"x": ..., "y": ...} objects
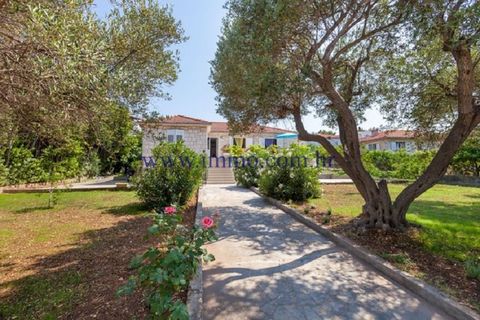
[
  {"x": 449, "y": 215},
  {"x": 67, "y": 262},
  {"x": 443, "y": 247}
]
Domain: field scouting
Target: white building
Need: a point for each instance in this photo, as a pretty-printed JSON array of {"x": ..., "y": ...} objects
[{"x": 206, "y": 136}]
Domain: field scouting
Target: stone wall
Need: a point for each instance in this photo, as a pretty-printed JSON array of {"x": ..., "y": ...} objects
[{"x": 194, "y": 137}]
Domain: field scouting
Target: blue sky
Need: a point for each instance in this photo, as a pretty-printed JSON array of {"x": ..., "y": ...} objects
[{"x": 191, "y": 94}]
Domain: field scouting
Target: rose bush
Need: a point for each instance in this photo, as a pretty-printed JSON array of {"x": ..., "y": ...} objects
[{"x": 164, "y": 271}]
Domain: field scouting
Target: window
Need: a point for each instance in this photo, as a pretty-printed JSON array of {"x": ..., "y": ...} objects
[
  {"x": 372, "y": 146},
  {"x": 269, "y": 142},
  {"x": 174, "y": 135},
  {"x": 399, "y": 145}
]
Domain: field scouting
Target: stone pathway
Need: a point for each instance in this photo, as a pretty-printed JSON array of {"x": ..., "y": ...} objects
[{"x": 269, "y": 266}]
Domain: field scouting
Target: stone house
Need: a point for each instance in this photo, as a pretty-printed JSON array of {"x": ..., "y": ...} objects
[
  {"x": 211, "y": 137},
  {"x": 391, "y": 140}
]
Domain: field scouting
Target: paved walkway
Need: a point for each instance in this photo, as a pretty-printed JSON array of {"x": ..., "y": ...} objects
[{"x": 269, "y": 266}]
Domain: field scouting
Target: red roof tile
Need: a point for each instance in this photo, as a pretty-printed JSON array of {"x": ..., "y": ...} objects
[
  {"x": 216, "y": 126},
  {"x": 389, "y": 134},
  {"x": 179, "y": 119},
  {"x": 223, "y": 127}
]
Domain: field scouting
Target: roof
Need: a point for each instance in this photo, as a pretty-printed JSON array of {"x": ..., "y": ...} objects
[
  {"x": 223, "y": 127},
  {"x": 179, "y": 119},
  {"x": 389, "y": 134},
  {"x": 216, "y": 126}
]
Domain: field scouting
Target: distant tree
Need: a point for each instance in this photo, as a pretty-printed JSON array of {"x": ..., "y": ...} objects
[
  {"x": 328, "y": 132},
  {"x": 280, "y": 59}
]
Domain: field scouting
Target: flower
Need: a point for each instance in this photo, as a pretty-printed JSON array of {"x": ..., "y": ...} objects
[
  {"x": 207, "y": 222},
  {"x": 169, "y": 210}
]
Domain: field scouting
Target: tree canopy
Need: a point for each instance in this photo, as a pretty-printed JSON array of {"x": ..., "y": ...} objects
[
  {"x": 65, "y": 73},
  {"x": 418, "y": 59}
]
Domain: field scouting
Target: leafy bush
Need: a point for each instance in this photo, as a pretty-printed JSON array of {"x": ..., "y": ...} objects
[
  {"x": 399, "y": 164},
  {"x": 163, "y": 272},
  {"x": 467, "y": 160},
  {"x": 290, "y": 177},
  {"x": 472, "y": 267},
  {"x": 62, "y": 162},
  {"x": 177, "y": 173},
  {"x": 250, "y": 164},
  {"x": 379, "y": 163},
  {"x": 3, "y": 173},
  {"x": 91, "y": 165},
  {"x": 23, "y": 167},
  {"x": 411, "y": 166}
]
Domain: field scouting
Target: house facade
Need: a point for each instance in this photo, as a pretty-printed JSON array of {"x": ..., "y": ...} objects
[
  {"x": 211, "y": 137},
  {"x": 391, "y": 140}
]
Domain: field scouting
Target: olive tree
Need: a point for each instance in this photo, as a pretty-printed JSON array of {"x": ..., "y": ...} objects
[{"x": 284, "y": 59}]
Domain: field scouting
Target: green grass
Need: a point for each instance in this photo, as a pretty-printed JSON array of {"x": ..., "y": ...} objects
[
  {"x": 30, "y": 232},
  {"x": 43, "y": 297},
  {"x": 449, "y": 215},
  {"x": 38, "y": 202}
]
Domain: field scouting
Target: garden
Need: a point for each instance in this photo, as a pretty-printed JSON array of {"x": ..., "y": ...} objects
[
  {"x": 105, "y": 254},
  {"x": 443, "y": 244}
]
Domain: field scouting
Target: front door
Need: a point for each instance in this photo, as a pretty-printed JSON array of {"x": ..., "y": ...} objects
[{"x": 213, "y": 147}]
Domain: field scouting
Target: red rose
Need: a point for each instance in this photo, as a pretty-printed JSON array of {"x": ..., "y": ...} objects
[
  {"x": 207, "y": 222},
  {"x": 169, "y": 210}
]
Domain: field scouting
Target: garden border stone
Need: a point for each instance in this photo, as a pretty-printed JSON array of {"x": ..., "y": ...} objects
[
  {"x": 418, "y": 287},
  {"x": 195, "y": 287}
]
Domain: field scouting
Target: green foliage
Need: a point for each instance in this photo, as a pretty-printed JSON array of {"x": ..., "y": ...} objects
[
  {"x": 467, "y": 158},
  {"x": 472, "y": 267},
  {"x": 177, "y": 174},
  {"x": 166, "y": 271},
  {"x": 291, "y": 177},
  {"x": 23, "y": 167},
  {"x": 3, "y": 173},
  {"x": 72, "y": 76},
  {"x": 90, "y": 165},
  {"x": 234, "y": 150},
  {"x": 399, "y": 165},
  {"x": 117, "y": 143},
  {"x": 62, "y": 162},
  {"x": 250, "y": 164}
]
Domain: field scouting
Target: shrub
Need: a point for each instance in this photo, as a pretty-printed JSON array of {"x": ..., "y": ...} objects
[
  {"x": 91, "y": 165},
  {"x": 472, "y": 268},
  {"x": 177, "y": 173},
  {"x": 165, "y": 271},
  {"x": 3, "y": 173},
  {"x": 250, "y": 165},
  {"x": 290, "y": 177},
  {"x": 61, "y": 162},
  {"x": 379, "y": 163},
  {"x": 411, "y": 165},
  {"x": 23, "y": 167},
  {"x": 399, "y": 164}
]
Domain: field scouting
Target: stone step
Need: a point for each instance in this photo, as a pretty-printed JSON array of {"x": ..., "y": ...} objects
[{"x": 220, "y": 182}]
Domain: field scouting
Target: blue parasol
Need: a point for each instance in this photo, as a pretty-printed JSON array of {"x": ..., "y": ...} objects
[{"x": 287, "y": 135}]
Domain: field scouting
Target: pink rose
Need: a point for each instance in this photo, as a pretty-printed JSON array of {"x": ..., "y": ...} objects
[
  {"x": 207, "y": 222},
  {"x": 169, "y": 210}
]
